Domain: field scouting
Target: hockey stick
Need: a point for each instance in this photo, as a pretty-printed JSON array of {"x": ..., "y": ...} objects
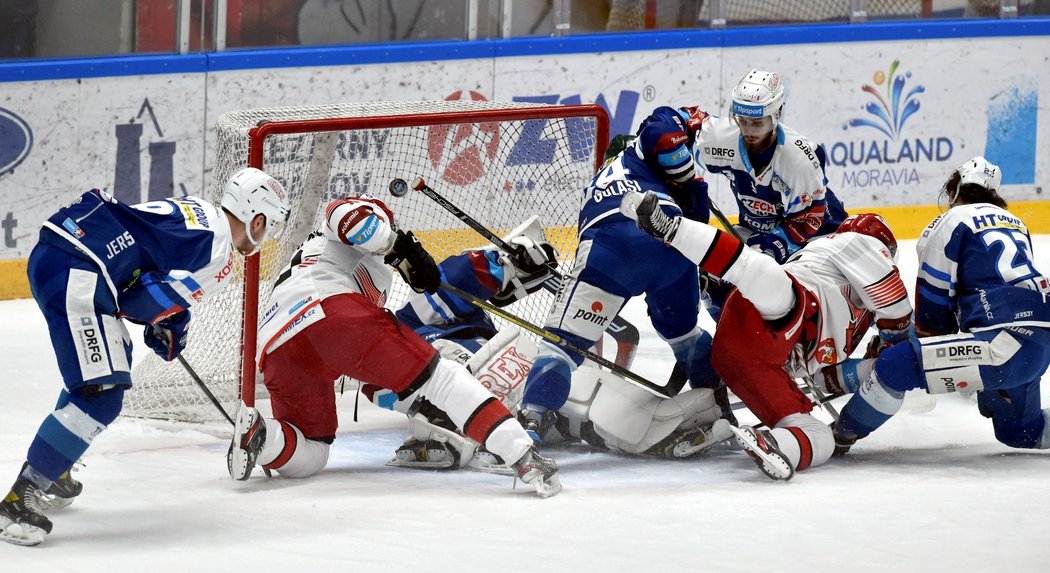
[
  {"x": 549, "y": 336},
  {"x": 623, "y": 332},
  {"x": 193, "y": 374},
  {"x": 722, "y": 219}
]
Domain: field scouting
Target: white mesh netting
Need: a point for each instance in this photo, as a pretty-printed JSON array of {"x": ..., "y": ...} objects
[{"x": 498, "y": 169}]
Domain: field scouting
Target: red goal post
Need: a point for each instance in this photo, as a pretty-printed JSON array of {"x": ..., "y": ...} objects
[{"x": 500, "y": 162}]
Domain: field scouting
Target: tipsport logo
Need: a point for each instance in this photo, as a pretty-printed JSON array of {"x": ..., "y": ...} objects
[{"x": 880, "y": 153}]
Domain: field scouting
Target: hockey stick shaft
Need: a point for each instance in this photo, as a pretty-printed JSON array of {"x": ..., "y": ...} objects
[
  {"x": 193, "y": 374},
  {"x": 549, "y": 336},
  {"x": 625, "y": 333},
  {"x": 722, "y": 220},
  {"x": 420, "y": 185}
]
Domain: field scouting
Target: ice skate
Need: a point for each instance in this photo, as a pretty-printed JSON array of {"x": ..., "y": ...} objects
[
  {"x": 60, "y": 494},
  {"x": 21, "y": 521},
  {"x": 488, "y": 462},
  {"x": 424, "y": 455},
  {"x": 843, "y": 440},
  {"x": 249, "y": 437},
  {"x": 762, "y": 447},
  {"x": 539, "y": 472},
  {"x": 694, "y": 441}
]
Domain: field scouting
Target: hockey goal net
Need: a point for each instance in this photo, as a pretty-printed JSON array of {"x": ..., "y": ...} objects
[{"x": 499, "y": 162}]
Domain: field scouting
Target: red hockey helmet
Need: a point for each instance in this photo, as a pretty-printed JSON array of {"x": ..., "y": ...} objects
[{"x": 871, "y": 225}]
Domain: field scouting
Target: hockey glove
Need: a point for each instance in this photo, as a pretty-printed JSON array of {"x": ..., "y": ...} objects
[
  {"x": 414, "y": 263},
  {"x": 769, "y": 244},
  {"x": 167, "y": 338},
  {"x": 527, "y": 268}
]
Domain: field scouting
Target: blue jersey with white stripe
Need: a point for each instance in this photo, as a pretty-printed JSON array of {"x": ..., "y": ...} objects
[
  {"x": 157, "y": 258},
  {"x": 976, "y": 272}
]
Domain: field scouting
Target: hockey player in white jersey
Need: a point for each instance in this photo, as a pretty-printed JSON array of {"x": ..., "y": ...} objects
[
  {"x": 981, "y": 316},
  {"x": 98, "y": 262},
  {"x": 776, "y": 174},
  {"x": 795, "y": 319},
  {"x": 325, "y": 319}
]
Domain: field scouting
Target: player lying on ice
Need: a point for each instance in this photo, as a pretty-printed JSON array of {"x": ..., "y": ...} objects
[
  {"x": 788, "y": 321},
  {"x": 602, "y": 409},
  {"x": 981, "y": 316},
  {"x": 325, "y": 319}
]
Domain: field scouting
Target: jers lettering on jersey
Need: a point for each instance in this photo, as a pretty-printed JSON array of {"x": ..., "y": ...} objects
[{"x": 123, "y": 241}]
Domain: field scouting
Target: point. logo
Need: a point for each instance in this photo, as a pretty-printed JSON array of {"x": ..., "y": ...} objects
[{"x": 471, "y": 147}]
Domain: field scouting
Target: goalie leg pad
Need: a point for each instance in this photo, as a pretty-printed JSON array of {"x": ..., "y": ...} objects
[
  {"x": 502, "y": 365},
  {"x": 633, "y": 420}
]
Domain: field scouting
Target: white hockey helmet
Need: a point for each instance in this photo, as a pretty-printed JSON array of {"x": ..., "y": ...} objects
[
  {"x": 975, "y": 171},
  {"x": 251, "y": 192},
  {"x": 757, "y": 95}
]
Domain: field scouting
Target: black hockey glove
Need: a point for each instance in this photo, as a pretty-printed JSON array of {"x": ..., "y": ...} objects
[
  {"x": 414, "y": 263},
  {"x": 167, "y": 338}
]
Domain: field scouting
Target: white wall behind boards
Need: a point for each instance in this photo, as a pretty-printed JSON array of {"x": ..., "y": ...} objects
[{"x": 894, "y": 116}]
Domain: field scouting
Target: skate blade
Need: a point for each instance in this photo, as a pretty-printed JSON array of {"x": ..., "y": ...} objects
[
  {"x": 548, "y": 487},
  {"x": 416, "y": 465},
  {"x": 20, "y": 533},
  {"x": 775, "y": 467},
  {"x": 497, "y": 469}
]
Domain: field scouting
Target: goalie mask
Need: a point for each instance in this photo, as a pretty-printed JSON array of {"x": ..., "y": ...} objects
[
  {"x": 871, "y": 225},
  {"x": 759, "y": 94},
  {"x": 251, "y": 192},
  {"x": 978, "y": 172}
]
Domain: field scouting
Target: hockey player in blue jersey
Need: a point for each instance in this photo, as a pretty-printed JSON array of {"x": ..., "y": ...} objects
[
  {"x": 97, "y": 262},
  {"x": 776, "y": 174},
  {"x": 616, "y": 261},
  {"x": 981, "y": 316}
]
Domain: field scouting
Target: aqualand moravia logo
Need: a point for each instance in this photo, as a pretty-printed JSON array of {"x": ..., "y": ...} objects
[
  {"x": 880, "y": 151},
  {"x": 16, "y": 141}
]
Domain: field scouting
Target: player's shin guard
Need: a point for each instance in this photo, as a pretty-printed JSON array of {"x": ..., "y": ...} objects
[
  {"x": 476, "y": 411},
  {"x": 693, "y": 352},
  {"x": 67, "y": 433},
  {"x": 291, "y": 454},
  {"x": 805, "y": 440},
  {"x": 870, "y": 407}
]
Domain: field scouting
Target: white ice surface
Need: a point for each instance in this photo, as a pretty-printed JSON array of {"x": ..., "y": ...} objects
[{"x": 930, "y": 491}]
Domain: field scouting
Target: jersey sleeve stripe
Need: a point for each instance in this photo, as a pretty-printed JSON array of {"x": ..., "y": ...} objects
[{"x": 887, "y": 291}]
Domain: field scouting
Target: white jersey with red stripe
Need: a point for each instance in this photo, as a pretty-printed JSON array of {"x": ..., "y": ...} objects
[
  {"x": 855, "y": 281},
  {"x": 344, "y": 255}
]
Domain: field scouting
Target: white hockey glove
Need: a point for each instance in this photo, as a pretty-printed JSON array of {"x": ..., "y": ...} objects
[{"x": 525, "y": 270}]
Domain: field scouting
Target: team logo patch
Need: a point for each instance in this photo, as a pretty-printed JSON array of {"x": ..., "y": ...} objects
[
  {"x": 826, "y": 353},
  {"x": 73, "y": 228}
]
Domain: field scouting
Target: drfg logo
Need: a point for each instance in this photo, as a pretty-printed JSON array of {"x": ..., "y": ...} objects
[
  {"x": 960, "y": 351},
  {"x": 89, "y": 336},
  {"x": 594, "y": 315}
]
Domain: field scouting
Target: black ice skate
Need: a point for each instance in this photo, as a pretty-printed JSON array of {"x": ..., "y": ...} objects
[
  {"x": 60, "y": 494},
  {"x": 21, "y": 521}
]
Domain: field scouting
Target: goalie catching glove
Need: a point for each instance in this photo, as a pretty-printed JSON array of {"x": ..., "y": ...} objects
[
  {"x": 525, "y": 270},
  {"x": 414, "y": 263},
  {"x": 167, "y": 337}
]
